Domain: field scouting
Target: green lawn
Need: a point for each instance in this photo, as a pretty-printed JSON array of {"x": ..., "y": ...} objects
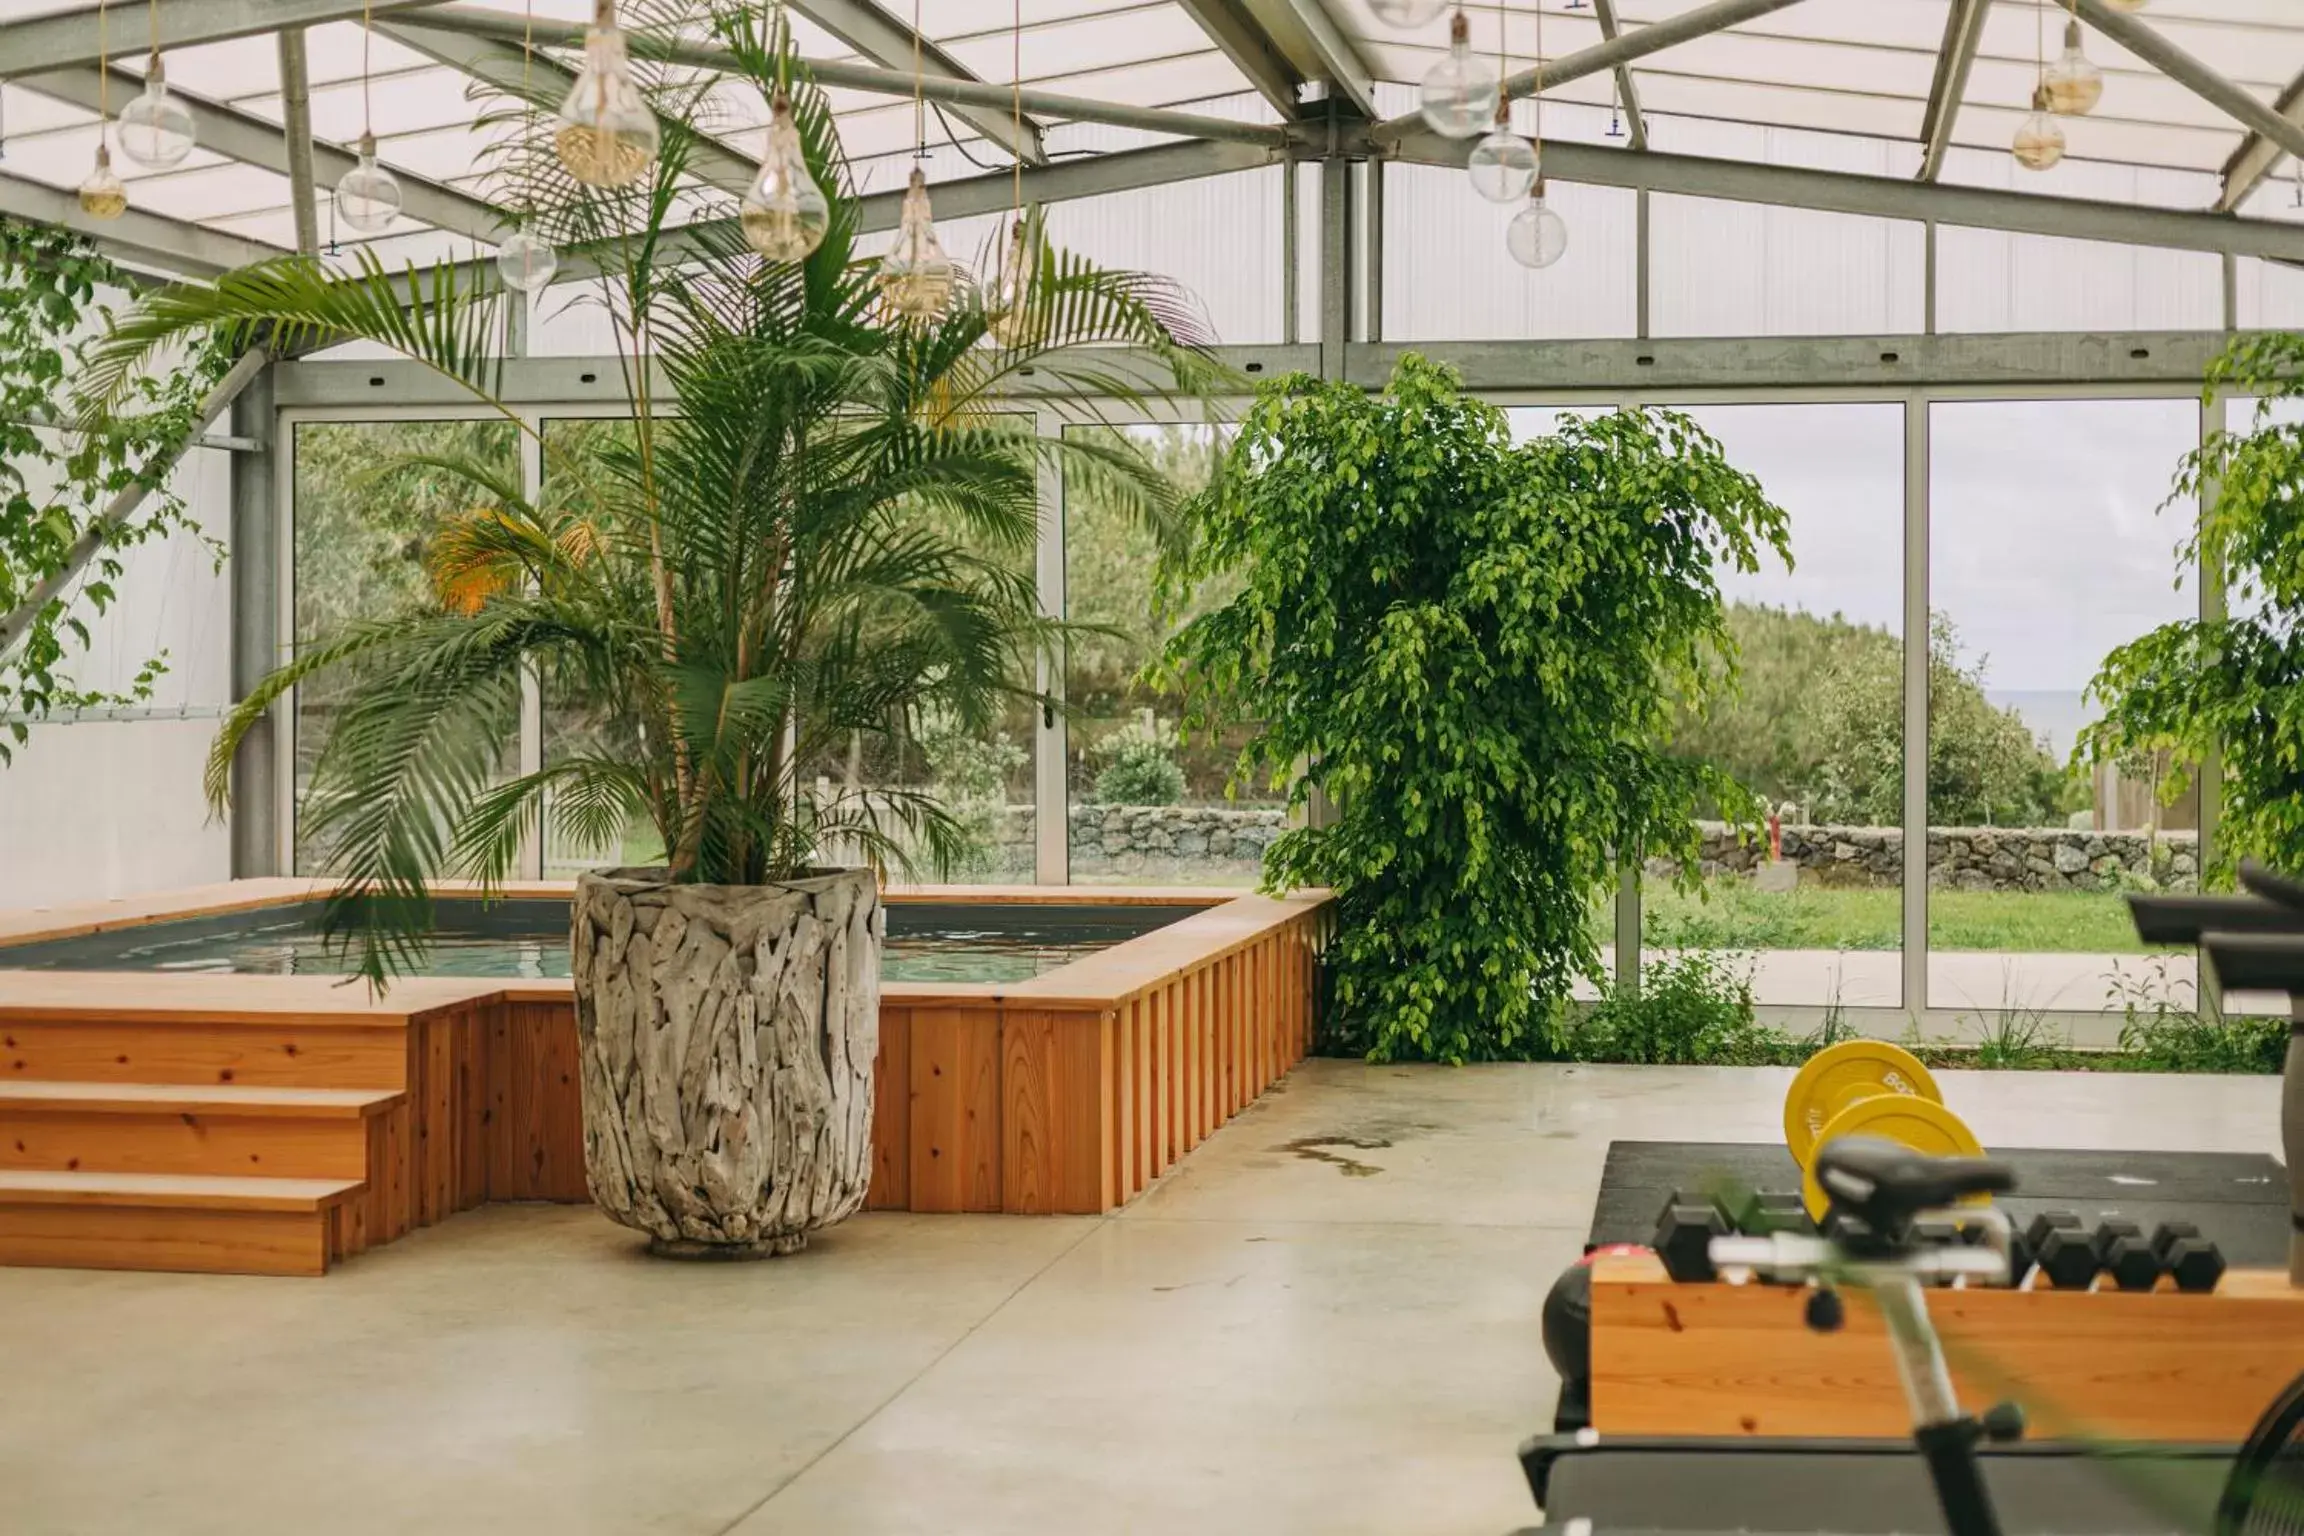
[{"x": 1730, "y": 914}]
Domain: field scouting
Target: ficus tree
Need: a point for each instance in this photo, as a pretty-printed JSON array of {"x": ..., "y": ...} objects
[
  {"x": 1475, "y": 650},
  {"x": 2233, "y": 688},
  {"x": 57, "y": 474}
]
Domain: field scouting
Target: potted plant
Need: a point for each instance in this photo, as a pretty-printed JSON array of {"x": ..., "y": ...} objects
[{"x": 809, "y": 536}]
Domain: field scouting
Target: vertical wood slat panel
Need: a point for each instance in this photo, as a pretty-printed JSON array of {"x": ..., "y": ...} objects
[
  {"x": 1118, "y": 1103},
  {"x": 891, "y": 1188},
  {"x": 1027, "y": 1114},
  {"x": 1163, "y": 1087},
  {"x": 1203, "y": 1056},
  {"x": 1140, "y": 1092},
  {"x": 472, "y": 1106},
  {"x": 497, "y": 1115},
  {"x": 560, "y": 1172},
  {"x": 956, "y": 1100}
]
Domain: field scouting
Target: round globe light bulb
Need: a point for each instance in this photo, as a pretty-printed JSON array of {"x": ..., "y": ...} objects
[
  {"x": 1537, "y": 237},
  {"x": 1407, "y": 14},
  {"x": 155, "y": 130},
  {"x": 1502, "y": 166},
  {"x": 525, "y": 262},
  {"x": 784, "y": 213},
  {"x": 103, "y": 195},
  {"x": 2039, "y": 138},
  {"x": 368, "y": 198},
  {"x": 608, "y": 133},
  {"x": 2073, "y": 82},
  {"x": 1015, "y": 318},
  {"x": 1459, "y": 94}
]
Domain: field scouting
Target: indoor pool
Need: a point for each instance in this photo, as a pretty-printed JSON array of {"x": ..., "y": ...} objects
[{"x": 927, "y": 941}]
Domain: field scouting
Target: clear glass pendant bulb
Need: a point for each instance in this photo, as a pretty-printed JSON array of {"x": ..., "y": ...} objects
[
  {"x": 1008, "y": 299},
  {"x": 916, "y": 277},
  {"x": 784, "y": 213},
  {"x": 1537, "y": 237},
  {"x": 103, "y": 195},
  {"x": 155, "y": 130},
  {"x": 1502, "y": 165},
  {"x": 2073, "y": 82},
  {"x": 608, "y": 134},
  {"x": 1407, "y": 13},
  {"x": 1459, "y": 94},
  {"x": 368, "y": 198},
  {"x": 2039, "y": 140},
  {"x": 526, "y": 263}
]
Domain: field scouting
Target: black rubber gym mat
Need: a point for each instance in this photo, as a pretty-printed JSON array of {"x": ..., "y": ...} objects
[
  {"x": 2239, "y": 1200},
  {"x": 1623, "y": 1483}
]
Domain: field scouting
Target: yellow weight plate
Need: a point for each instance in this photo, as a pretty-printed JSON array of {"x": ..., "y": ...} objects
[
  {"x": 1922, "y": 1124},
  {"x": 1845, "y": 1074}
]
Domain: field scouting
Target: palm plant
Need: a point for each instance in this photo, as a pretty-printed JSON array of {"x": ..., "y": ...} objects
[{"x": 812, "y": 532}]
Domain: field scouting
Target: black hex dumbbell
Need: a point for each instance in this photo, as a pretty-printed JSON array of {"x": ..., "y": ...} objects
[
  {"x": 2195, "y": 1263},
  {"x": 2123, "y": 1252},
  {"x": 2061, "y": 1249},
  {"x": 1684, "y": 1232}
]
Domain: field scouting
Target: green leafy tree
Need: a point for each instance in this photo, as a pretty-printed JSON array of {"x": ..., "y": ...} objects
[
  {"x": 1476, "y": 649},
  {"x": 2234, "y": 685},
  {"x": 767, "y": 570},
  {"x": 56, "y": 481}
]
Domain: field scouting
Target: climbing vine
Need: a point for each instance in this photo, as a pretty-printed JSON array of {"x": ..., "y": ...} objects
[
  {"x": 1477, "y": 650},
  {"x": 59, "y": 470}
]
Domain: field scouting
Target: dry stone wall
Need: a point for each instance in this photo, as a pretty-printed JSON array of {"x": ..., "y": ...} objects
[{"x": 1970, "y": 858}]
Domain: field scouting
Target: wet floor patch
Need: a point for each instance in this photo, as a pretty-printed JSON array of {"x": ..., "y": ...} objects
[{"x": 1324, "y": 1149}]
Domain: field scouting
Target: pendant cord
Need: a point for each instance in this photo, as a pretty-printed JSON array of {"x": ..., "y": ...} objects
[
  {"x": 155, "y": 9},
  {"x": 1539, "y": 92},
  {"x": 1016, "y": 102},
  {"x": 103, "y": 76},
  {"x": 367, "y": 36},
  {"x": 919, "y": 92}
]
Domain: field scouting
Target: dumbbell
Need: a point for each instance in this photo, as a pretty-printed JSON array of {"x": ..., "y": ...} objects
[
  {"x": 2123, "y": 1252},
  {"x": 2195, "y": 1263},
  {"x": 2060, "y": 1246},
  {"x": 1684, "y": 1232}
]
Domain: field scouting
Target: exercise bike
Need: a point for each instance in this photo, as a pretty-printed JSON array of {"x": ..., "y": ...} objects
[{"x": 1878, "y": 1189}]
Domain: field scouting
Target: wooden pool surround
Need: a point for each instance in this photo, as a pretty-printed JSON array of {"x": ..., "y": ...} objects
[{"x": 1066, "y": 1093}]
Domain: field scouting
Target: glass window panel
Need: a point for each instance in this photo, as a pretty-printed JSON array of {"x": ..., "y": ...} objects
[
  {"x": 1145, "y": 808},
  {"x": 2047, "y": 549},
  {"x": 1740, "y": 269},
  {"x": 364, "y": 514},
  {"x": 1448, "y": 276},
  {"x": 1816, "y": 727}
]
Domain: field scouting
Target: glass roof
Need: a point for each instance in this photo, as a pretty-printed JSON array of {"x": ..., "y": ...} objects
[{"x": 1834, "y": 84}]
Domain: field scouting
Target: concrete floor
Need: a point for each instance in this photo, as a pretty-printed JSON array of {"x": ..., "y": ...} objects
[{"x": 1325, "y": 1321}]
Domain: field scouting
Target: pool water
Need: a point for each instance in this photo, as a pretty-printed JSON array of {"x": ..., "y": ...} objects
[{"x": 941, "y": 941}]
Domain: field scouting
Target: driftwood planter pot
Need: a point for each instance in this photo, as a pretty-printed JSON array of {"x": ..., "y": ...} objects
[{"x": 726, "y": 1035}]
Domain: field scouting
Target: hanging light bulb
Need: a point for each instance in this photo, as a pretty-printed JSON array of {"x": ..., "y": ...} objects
[
  {"x": 1407, "y": 13},
  {"x": 608, "y": 133},
  {"x": 1503, "y": 165},
  {"x": 784, "y": 213},
  {"x": 155, "y": 129},
  {"x": 1008, "y": 300},
  {"x": 2073, "y": 82},
  {"x": 1536, "y": 237},
  {"x": 916, "y": 277},
  {"x": 1460, "y": 92},
  {"x": 103, "y": 195},
  {"x": 368, "y": 198},
  {"x": 2039, "y": 141},
  {"x": 525, "y": 262}
]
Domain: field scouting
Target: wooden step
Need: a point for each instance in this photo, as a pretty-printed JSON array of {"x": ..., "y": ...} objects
[
  {"x": 209, "y": 1052},
  {"x": 178, "y": 1222},
  {"x": 302, "y": 1133}
]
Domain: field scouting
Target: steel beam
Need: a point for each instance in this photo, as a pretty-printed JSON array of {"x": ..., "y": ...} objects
[
  {"x": 886, "y": 41},
  {"x": 146, "y": 239},
  {"x": 479, "y": 22},
  {"x": 255, "y": 565},
  {"x": 1717, "y": 16},
  {"x": 1892, "y": 198},
  {"x": 2258, "y": 156},
  {"x": 70, "y": 37},
  {"x": 2171, "y": 361},
  {"x": 296, "y": 132},
  {"x": 17, "y": 623},
  {"x": 2187, "y": 71},
  {"x": 251, "y": 140},
  {"x": 1244, "y": 41},
  {"x": 1963, "y": 31},
  {"x": 1345, "y": 72},
  {"x": 1626, "y": 91}
]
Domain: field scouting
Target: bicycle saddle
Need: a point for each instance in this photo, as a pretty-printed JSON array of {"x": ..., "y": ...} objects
[{"x": 1884, "y": 1184}]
